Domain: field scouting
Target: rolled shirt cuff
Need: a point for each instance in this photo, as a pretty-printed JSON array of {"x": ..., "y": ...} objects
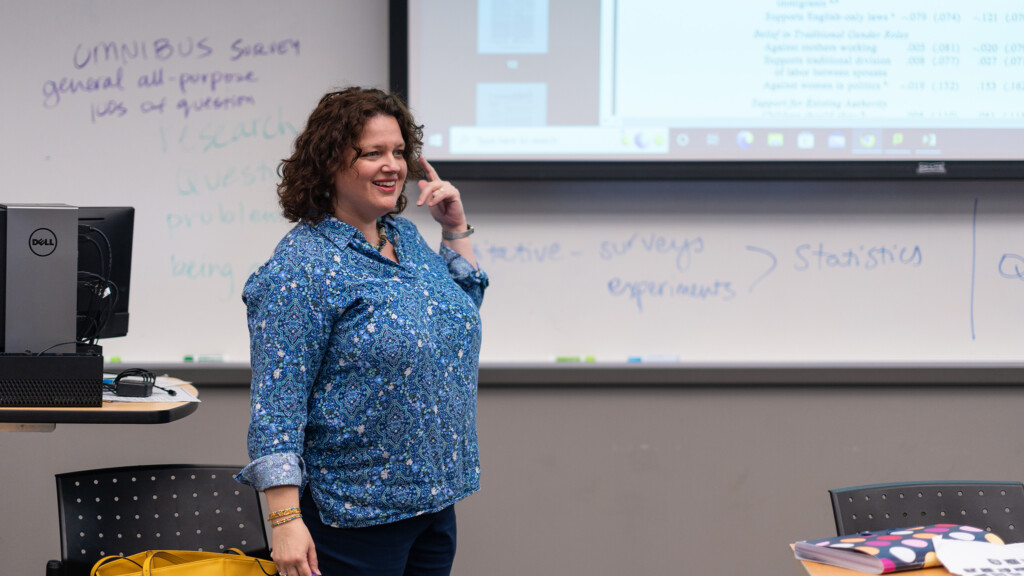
[{"x": 284, "y": 469}]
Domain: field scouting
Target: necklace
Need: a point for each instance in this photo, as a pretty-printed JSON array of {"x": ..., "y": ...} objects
[{"x": 382, "y": 235}]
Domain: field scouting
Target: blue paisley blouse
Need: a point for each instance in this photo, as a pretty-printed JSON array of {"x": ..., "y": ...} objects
[{"x": 364, "y": 373}]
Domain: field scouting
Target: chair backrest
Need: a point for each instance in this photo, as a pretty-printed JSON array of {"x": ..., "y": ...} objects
[
  {"x": 995, "y": 506},
  {"x": 170, "y": 507}
]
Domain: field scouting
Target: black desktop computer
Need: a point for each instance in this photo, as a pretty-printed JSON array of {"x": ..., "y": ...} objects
[{"x": 63, "y": 285}]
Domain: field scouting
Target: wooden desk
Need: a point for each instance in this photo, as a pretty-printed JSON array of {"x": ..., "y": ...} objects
[
  {"x": 45, "y": 419},
  {"x": 817, "y": 569}
]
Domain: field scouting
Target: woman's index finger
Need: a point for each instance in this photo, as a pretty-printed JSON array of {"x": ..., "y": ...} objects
[{"x": 431, "y": 175}]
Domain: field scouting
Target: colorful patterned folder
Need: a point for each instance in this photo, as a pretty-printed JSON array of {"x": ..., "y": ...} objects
[{"x": 888, "y": 550}]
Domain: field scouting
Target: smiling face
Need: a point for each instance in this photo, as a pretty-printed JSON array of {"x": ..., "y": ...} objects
[{"x": 368, "y": 187}]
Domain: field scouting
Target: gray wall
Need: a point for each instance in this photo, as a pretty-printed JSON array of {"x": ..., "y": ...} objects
[{"x": 604, "y": 481}]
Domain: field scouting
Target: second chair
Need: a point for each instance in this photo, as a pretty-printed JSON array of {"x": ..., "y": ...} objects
[{"x": 994, "y": 506}]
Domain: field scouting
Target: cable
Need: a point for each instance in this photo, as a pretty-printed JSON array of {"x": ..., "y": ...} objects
[
  {"x": 145, "y": 375},
  {"x": 141, "y": 384},
  {"x": 45, "y": 350},
  {"x": 147, "y": 378},
  {"x": 101, "y": 287}
]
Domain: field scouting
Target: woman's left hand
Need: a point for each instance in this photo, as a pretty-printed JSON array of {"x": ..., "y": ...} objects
[{"x": 442, "y": 199}]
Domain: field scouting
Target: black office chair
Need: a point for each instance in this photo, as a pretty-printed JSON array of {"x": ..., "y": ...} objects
[
  {"x": 123, "y": 511},
  {"x": 995, "y": 506}
]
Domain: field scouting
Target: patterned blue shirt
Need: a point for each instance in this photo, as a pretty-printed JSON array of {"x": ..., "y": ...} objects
[{"x": 364, "y": 373}]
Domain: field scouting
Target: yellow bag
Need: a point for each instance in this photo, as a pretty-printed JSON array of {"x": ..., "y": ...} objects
[{"x": 184, "y": 563}]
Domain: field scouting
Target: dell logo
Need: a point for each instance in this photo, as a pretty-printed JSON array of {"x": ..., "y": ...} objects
[{"x": 42, "y": 242}]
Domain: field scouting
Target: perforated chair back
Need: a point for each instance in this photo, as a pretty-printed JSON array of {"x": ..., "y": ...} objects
[
  {"x": 995, "y": 506},
  {"x": 170, "y": 507}
]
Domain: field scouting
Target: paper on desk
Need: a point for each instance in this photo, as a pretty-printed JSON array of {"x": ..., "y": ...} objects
[
  {"x": 158, "y": 395},
  {"x": 979, "y": 558}
]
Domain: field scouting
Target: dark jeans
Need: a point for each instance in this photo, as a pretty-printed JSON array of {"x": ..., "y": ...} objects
[{"x": 420, "y": 546}]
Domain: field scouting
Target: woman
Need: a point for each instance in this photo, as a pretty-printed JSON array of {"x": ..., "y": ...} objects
[{"x": 364, "y": 351}]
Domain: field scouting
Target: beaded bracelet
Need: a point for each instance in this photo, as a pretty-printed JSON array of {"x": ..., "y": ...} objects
[
  {"x": 281, "y": 513},
  {"x": 285, "y": 520}
]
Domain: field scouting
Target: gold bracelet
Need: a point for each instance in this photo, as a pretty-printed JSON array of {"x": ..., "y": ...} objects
[
  {"x": 285, "y": 520},
  {"x": 281, "y": 513}
]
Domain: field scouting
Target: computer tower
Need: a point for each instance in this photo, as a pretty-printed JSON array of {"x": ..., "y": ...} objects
[
  {"x": 38, "y": 288},
  {"x": 39, "y": 361},
  {"x": 51, "y": 380}
]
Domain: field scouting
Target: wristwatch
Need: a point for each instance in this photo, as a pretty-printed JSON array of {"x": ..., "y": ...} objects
[{"x": 457, "y": 235}]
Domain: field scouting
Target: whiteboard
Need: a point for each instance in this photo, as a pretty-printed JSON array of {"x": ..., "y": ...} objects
[
  {"x": 707, "y": 272},
  {"x": 753, "y": 272},
  {"x": 184, "y": 110}
]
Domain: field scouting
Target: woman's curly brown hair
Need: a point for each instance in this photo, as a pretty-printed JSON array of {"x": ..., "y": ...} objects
[{"x": 306, "y": 189}]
